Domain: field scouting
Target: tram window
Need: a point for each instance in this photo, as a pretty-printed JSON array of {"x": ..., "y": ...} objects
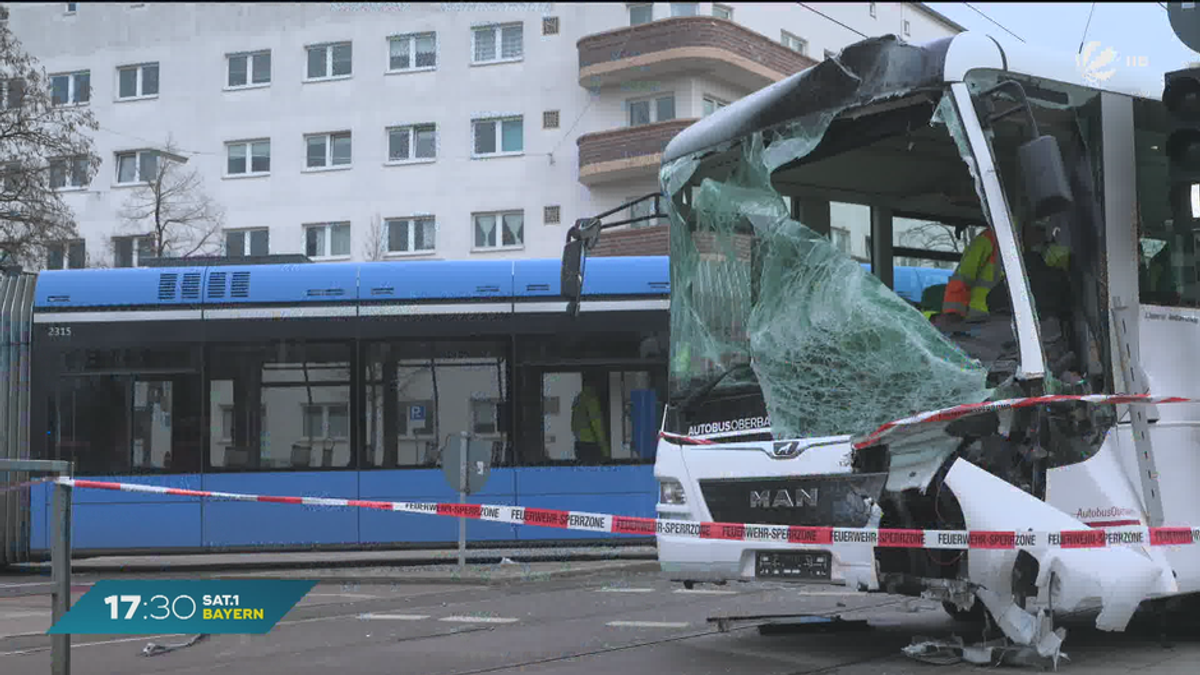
[
  {"x": 420, "y": 396},
  {"x": 111, "y": 414},
  {"x": 278, "y": 406},
  {"x": 590, "y": 401},
  {"x": 1167, "y": 252}
]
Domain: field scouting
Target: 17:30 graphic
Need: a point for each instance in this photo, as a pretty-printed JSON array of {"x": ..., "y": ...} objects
[{"x": 166, "y": 606}]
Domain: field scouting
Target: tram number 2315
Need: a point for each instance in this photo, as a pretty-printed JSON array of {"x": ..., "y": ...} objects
[{"x": 59, "y": 331}]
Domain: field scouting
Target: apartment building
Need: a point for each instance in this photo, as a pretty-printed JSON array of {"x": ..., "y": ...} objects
[{"x": 350, "y": 131}]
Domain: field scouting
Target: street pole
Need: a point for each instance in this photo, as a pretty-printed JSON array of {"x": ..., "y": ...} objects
[
  {"x": 60, "y": 571},
  {"x": 462, "y": 499}
]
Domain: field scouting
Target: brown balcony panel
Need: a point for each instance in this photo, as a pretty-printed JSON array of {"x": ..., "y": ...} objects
[
  {"x": 628, "y": 152},
  {"x": 666, "y": 47},
  {"x": 633, "y": 242}
]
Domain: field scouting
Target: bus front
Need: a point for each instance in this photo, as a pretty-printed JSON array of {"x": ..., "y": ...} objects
[{"x": 786, "y": 353}]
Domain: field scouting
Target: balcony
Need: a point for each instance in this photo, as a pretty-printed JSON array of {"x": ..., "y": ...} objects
[
  {"x": 719, "y": 48},
  {"x": 628, "y": 152}
]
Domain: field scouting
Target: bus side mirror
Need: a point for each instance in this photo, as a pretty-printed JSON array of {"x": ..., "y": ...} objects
[
  {"x": 1047, "y": 189},
  {"x": 572, "y": 270}
]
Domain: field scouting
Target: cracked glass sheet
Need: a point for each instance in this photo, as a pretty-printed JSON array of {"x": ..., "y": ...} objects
[{"x": 833, "y": 349}]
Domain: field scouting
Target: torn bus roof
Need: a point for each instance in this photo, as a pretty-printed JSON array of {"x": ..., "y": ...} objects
[{"x": 863, "y": 72}]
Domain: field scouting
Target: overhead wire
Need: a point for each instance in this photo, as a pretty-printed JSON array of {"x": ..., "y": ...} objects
[
  {"x": 1002, "y": 26},
  {"x": 830, "y": 18},
  {"x": 1086, "y": 26}
]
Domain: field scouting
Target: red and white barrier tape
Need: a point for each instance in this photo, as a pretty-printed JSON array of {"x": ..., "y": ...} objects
[
  {"x": 799, "y": 536},
  {"x": 966, "y": 410},
  {"x": 26, "y": 484}
]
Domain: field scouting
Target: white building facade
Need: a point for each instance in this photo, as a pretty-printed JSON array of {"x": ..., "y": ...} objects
[{"x": 351, "y": 131}]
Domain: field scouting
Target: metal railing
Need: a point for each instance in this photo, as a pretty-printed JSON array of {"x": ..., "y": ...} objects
[{"x": 60, "y": 555}]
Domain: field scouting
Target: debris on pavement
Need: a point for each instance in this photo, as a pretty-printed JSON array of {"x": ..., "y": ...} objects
[
  {"x": 154, "y": 649},
  {"x": 999, "y": 652}
]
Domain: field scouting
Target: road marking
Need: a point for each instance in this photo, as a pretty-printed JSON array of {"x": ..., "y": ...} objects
[
  {"x": 704, "y": 591},
  {"x": 625, "y": 590},
  {"x": 648, "y": 624},
  {"x": 79, "y": 645},
  {"x": 479, "y": 619},
  {"x": 394, "y": 617},
  {"x": 833, "y": 594},
  {"x": 341, "y": 595}
]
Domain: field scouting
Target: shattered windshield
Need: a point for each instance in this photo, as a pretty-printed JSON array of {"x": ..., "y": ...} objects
[{"x": 832, "y": 348}]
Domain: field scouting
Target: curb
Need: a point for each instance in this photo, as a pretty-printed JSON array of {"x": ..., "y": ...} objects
[{"x": 483, "y": 579}]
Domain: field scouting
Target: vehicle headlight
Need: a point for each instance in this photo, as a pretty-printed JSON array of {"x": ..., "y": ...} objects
[{"x": 671, "y": 492}]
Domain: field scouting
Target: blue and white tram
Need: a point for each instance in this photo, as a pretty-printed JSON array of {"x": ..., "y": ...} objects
[{"x": 339, "y": 380}]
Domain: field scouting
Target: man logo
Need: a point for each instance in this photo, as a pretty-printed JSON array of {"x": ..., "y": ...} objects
[
  {"x": 783, "y": 499},
  {"x": 786, "y": 450}
]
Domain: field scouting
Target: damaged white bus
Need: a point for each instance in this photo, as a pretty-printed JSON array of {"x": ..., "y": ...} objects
[{"x": 785, "y": 352}]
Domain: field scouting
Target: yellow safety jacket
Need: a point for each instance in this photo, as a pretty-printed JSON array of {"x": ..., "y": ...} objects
[
  {"x": 587, "y": 421},
  {"x": 975, "y": 277}
]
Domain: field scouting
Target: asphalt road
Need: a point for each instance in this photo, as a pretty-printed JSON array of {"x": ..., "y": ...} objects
[{"x": 628, "y": 623}]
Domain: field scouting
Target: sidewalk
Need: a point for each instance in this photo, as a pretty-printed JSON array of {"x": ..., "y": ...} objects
[{"x": 484, "y": 566}]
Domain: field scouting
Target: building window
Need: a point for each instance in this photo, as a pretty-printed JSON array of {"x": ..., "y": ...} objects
[
  {"x": 139, "y": 81},
  {"x": 412, "y": 52},
  {"x": 640, "y": 14},
  {"x": 249, "y": 69},
  {"x": 66, "y": 255},
  {"x": 72, "y": 7},
  {"x": 841, "y": 239},
  {"x": 327, "y": 61},
  {"x": 485, "y": 415},
  {"x": 550, "y": 119},
  {"x": 712, "y": 104},
  {"x": 549, "y": 25},
  {"x": 684, "y": 8},
  {"x": 132, "y": 251},
  {"x": 499, "y": 230},
  {"x": 326, "y": 421},
  {"x": 872, "y": 6},
  {"x": 411, "y": 235},
  {"x": 140, "y": 166},
  {"x": 794, "y": 43},
  {"x": 242, "y": 243},
  {"x": 71, "y": 88},
  {"x": 492, "y": 44},
  {"x": 551, "y": 215},
  {"x": 12, "y": 93},
  {"x": 327, "y": 240},
  {"x": 500, "y": 136},
  {"x": 249, "y": 158},
  {"x": 907, "y": 27},
  {"x": 648, "y": 111},
  {"x": 327, "y": 150},
  {"x": 406, "y": 144},
  {"x": 723, "y": 12},
  {"x": 69, "y": 173},
  {"x": 12, "y": 178}
]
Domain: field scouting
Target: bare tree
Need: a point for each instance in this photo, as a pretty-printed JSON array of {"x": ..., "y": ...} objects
[
  {"x": 376, "y": 244},
  {"x": 41, "y": 145},
  {"x": 933, "y": 236},
  {"x": 173, "y": 210}
]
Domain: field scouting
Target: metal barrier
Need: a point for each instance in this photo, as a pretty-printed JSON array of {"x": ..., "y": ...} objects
[
  {"x": 60, "y": 552},
  {"x": 16, "y": 315}
]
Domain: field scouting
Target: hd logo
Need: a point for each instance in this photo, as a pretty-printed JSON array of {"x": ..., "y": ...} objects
[{"x": 786, "y": 450}]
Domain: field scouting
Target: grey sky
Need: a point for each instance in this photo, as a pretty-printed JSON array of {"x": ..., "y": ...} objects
[{"x": 1133, "y": 29}]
